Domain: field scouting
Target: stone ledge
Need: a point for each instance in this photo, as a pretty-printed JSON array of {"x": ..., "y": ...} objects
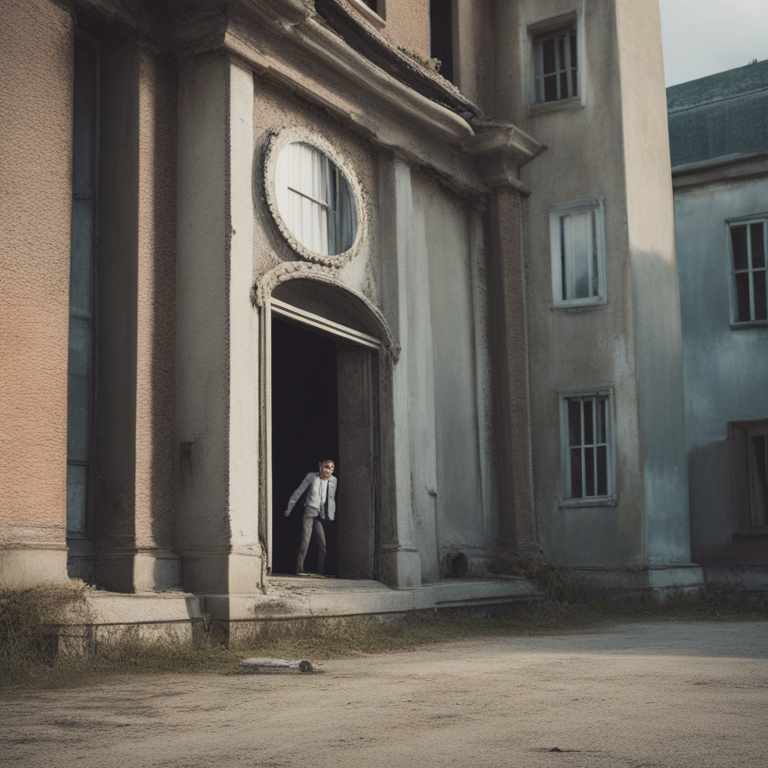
[
  {"x": 111, "y": 617},
  {"x": 620, "y": 581},
  {"x": 296, "y": 598}
]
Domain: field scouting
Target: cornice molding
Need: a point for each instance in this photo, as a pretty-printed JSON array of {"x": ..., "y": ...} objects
[
  {"x": 721, "y": 169},
  {"x": 368, "y": 79},
  {"x": 425, "y": 135},
  {"x": 286, "y": 43}
]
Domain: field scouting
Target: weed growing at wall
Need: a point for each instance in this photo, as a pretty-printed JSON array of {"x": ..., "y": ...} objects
[
  {"x": 29, "y": 626},
  {"x": 556, "y": 581},
  {"x": 28, "y": 621}
]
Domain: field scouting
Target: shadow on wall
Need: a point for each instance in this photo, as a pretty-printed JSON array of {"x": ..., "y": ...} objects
[{"x": 710, "y": 494}]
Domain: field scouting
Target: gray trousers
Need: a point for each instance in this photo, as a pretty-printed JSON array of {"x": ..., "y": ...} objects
[{"x": 312, "y": 524}]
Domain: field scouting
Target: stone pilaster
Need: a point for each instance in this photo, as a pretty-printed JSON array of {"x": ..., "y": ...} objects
[
  {"x": 217, "y": 374},
  {"x": 400, "y": 565},
  {"x": 500, "y": 153},
  {"x": 134, "y": 505}
]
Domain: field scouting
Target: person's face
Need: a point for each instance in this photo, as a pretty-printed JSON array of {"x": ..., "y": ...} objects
[{"x": 326, "y": 470}]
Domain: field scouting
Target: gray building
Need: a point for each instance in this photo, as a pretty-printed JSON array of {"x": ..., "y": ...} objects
[
  {"x": 718, "y": 129},
  {"x": 268, "y": 233}
]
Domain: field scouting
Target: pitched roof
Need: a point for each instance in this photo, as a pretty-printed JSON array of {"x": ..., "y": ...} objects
[{"x": 720, "y": 115}]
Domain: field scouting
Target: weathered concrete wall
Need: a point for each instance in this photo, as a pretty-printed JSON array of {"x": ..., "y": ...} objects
[
  {"x": 417, "y": 342},
  {"x": 35, "y": 176},
  {"x": 217, "y": 331},
  {"x": 650, "y": 221},
  {"x": 474, "y": 52},
  {"x": 460, "y": 504},
  {"x": 243, "y": 451},
  {"x": 400, "y": 560},
  {"x": 115, "y": 496},
  {"x": 593, "y": 344},
  {"x": 202, "y": 359},
  {"x": 610, "y": 143},
  {"x": 408, "y": 24},
  {"x": 725, "y": 370},
  {"x": 155, "y": 402},
  {"x": 134, "y": 506}
]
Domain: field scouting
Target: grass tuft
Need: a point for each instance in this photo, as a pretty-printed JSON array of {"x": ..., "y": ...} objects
[
  {"x": 27, "y": 616},
  {"x": 556, "y": 581},
  {"x": 29, "y": 625}
]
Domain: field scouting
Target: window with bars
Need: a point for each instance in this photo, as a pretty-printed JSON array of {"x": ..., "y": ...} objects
[
  {"x": 587, "y": 446},
  {"x": 749, "y": 244},
  {"x": 556, "y": 65},
  {"x": 315, "y": 200},
  {"x": 748, "y": 446},
  {"x": 577, "y": 243}
]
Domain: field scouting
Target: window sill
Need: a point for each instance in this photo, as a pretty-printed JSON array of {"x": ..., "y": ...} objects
[
  {"x": 750, "y": 324},
  {"x": 757, "y": 533},
  {"x": 574, "y": 306},
  {"x": 369, "y": 13},
  {"x": 590, "y": 501},
  {"x": 542, "y": 107}
]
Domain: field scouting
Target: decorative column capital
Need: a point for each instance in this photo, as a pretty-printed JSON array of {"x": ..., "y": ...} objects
[{"x": 500, "y": 153}]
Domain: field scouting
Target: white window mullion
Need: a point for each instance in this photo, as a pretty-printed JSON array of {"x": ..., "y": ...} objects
[
  {"x": 583, "y": 453},
  {"x": 751, "y": 278},
  {"x": 570, "y": 277},
  {"x": 595, "y": 458},
  {"x": 590, "y": 256},
  {"x": 608, "y": 428},
  {"x": 539, "y": 72}
]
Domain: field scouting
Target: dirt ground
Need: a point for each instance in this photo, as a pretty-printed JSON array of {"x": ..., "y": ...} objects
[{"x": 656, "y": 695}]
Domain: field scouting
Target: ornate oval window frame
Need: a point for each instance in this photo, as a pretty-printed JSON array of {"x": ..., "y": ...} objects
[{"x": 275, "y": 144}]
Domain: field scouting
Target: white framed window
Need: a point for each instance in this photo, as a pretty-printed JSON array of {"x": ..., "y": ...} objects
[
  {"x": 577, "y": 244},
  {"x": 315, "y": 199},
  {"x": 375, "y": 11},
  {"x": 748, "y": 243},
  {"x": 587, "y": 446},
  {"x": 556, "y": 65}
]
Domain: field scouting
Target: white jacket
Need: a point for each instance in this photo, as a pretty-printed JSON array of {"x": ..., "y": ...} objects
[{"x": 330, "y": 502}]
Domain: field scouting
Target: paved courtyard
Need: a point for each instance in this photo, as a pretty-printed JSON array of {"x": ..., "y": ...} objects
[{"x": 657, "y": 695}]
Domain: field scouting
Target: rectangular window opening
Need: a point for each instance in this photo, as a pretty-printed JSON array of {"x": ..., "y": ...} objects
[
  {"x": 587, "y": 471},
  {"x": 748, "y": 245},
  {"x": 577, "y": 241},
  {"x": 556, "y": 65}
]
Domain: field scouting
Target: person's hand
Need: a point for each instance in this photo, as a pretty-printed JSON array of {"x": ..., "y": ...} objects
[{"x": 287, "y": 512}]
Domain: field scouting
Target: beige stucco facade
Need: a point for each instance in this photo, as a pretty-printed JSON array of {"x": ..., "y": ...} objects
[{"x": 450, "y": 358}]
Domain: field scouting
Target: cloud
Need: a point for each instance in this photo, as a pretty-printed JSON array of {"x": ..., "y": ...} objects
[{"x": 702, "y": 37}]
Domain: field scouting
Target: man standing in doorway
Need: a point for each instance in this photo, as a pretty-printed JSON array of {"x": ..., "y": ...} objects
[{"x": 320, "y": 504}]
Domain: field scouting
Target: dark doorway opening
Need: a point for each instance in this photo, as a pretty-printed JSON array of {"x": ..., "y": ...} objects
[
  {"x": 324, "y": 406},
  {"x": 305, "y": 431}
]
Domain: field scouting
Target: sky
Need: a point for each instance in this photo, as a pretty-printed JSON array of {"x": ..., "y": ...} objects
[{"x": 702, "y": 37}]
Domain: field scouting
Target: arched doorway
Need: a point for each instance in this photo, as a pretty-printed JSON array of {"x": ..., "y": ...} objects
[{"x": 321, "y": 377}]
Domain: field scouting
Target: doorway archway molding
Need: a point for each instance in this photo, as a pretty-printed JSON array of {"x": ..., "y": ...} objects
[
  {"x": 381, "y": 341},
  {"x": 261, "y": 296}
]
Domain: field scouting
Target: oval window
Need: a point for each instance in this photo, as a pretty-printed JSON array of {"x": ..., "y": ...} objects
[{"x": 315, "y": 200}]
